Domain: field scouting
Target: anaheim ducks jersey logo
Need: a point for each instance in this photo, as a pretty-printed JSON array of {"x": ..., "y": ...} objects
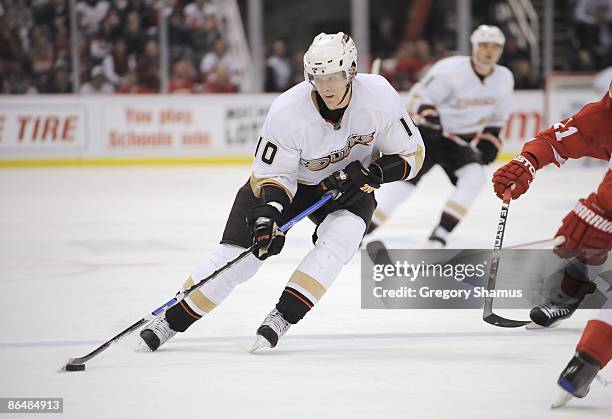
[{"x": 339, "y": 155}]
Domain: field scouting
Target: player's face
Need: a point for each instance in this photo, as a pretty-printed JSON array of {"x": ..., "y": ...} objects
[
  {"x": 332, "y": 88},
  {"x": 488, "y": 53}
]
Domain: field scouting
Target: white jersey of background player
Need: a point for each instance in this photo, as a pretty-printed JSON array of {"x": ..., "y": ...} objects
[
  {"x": 326, "y": 133},
  {"x": 460, "y": 106}
]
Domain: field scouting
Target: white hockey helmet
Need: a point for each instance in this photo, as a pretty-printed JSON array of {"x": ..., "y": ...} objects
[
  {"x": 487, "y": 33},
  {"x": 330, "y": 53}
]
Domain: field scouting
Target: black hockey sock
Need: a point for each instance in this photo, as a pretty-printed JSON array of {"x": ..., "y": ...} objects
[
  {"x": 293, "y": 305},
  {"x": 181, "y": 316}
]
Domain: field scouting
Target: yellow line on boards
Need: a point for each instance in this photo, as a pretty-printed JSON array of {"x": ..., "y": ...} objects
[{"x": 156, "y": 161}]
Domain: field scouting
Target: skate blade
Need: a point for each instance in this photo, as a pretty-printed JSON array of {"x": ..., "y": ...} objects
[
  {"x": 562, "y": 399},
  {"x": 535, "y": 326},
  {"x": 260, "y": 343}
]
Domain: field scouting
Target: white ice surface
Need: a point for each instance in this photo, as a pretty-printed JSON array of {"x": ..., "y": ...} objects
[{"x": 85, "y": 252}]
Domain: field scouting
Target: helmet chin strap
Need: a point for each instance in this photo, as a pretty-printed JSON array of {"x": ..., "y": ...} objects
[{"x": 348, "y": 87}]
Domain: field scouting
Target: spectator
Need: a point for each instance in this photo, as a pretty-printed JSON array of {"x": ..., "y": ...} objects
[
  {"x": 117, "y": 64},
  {"x": 18, "y": 81},
  {"x": 148, "y": 66},
  {"x": 278, "y": 69},
  {"x": 221, "y": 83},
  {"x": 134, "y": 38},
  {"x": 219, "y": 63},
  {"x": 589, "y": 12},
  {"x": 18, "y": 17},
  {"x": 179, "y": 36},
  {"x": 41, "y": 55},
  {"x": 90, "y": 14},
  {"x": 110, "y": 29},
  {"x": 408, "y": 65},
  {"x": 583, "y": 61},
  {"x": 421, "y": 61},
  {"x": 98, "y": 83},
  {"x": 11, "y": 47},
  {"x": 61, "y": 43},
  {"x": 147, "y": 12},
  {"x": 183, "y": 77},
  {"x": 99, "y": 47},
  {"x": 297, "y": 67},
  {"x": 53, "y": 14},
  {"x": 196, "y": 12},
  {"x": 523, "y": 76},
  {"x": 61, "y": 82},
  {"x": 129, "y": 83},
  {"x": 203, "y": 37},
  {"x": 593, "y": 20}
]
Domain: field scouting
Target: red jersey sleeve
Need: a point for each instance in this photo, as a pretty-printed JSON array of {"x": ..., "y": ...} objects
[{"x": 586, "y": 134}]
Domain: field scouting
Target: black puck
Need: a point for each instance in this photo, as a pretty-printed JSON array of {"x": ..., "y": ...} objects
[{"x": 75, "y": 367}]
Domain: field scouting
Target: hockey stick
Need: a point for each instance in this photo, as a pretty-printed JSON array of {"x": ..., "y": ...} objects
[
  {"x": 78, "y": 364},
  {"x": 487, "y": 313}
]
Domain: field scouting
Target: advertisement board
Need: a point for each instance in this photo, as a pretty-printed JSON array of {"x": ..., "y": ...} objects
[{"x": 122, "y": 129}]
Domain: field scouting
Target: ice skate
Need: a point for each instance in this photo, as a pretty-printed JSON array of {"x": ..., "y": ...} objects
[
  {"x": 435, "y": 242},
  {"x": 271, "y": 330},
  {"x": 551, "y": 313},
  {"x": 575, "y": 380},
  {"x": 156, "y": 333}
]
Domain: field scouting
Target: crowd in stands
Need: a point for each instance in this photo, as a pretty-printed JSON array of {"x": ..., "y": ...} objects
[
  {"x": 592, "y": 35},
  {"x": 118, "y": 47},
  {"x": 119, "y": 52}
]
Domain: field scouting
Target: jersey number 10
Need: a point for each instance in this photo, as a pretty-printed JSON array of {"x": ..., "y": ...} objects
[{"x": 269, "y": 151}]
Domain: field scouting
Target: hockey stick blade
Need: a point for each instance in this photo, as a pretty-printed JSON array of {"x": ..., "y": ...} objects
[
  {"x": 500, "y": 321},
  {"x": 78, "y": 364}
]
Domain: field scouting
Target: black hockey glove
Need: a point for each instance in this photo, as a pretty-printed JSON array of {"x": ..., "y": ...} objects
[
  {"x": 263, "y": 221},
  {"x": 351, "y": 184},
  {"x": 428, "y": 121},
  {"x": 489, "y": 145}
]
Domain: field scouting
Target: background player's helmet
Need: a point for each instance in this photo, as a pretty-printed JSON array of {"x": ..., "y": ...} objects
[
  {"x": 329, "y": 54},
  {"x": 487, "y": 33}
]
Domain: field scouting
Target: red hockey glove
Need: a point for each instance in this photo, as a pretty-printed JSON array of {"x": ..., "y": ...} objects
[
  {"x": 519, "y": 173},
  {"x": 586, "y": 227}
]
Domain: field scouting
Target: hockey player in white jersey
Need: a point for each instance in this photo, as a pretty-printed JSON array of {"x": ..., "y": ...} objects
[
  {"x": 460, "y": 107},
  {"x": 337, "y": 130}
]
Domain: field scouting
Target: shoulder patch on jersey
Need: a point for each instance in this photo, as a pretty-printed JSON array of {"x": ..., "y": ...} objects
[{"x": 339, "y": 155}]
